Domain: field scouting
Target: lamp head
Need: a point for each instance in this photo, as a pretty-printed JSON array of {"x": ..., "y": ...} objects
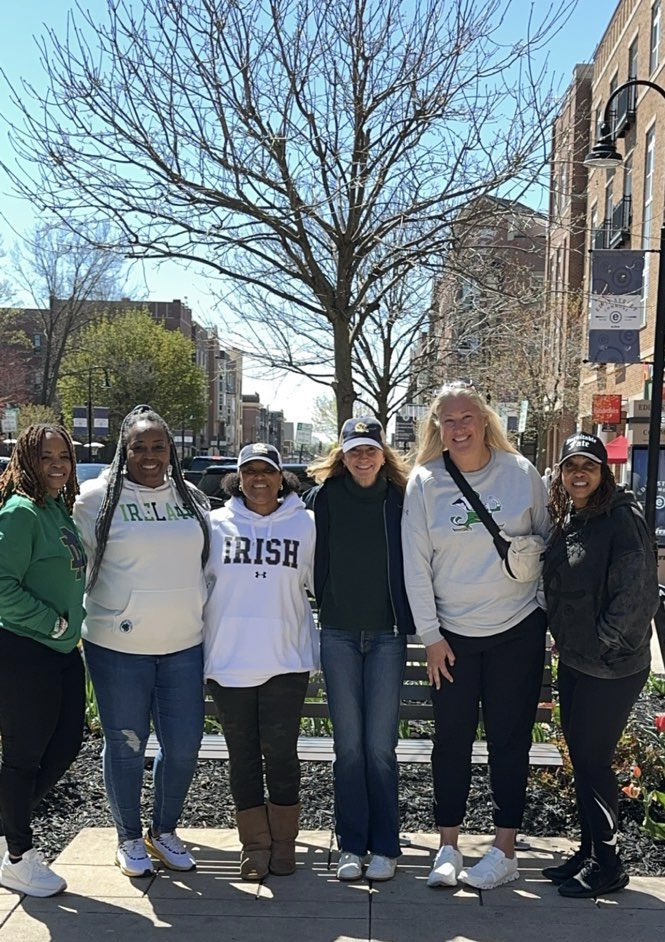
[{"x": 604, "y": 153}]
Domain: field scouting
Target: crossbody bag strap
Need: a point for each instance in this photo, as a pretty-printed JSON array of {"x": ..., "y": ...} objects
[{"x": 486, "y": 518}]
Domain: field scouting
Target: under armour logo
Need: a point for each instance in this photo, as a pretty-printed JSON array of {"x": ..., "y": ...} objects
[{"x": 257, "y": 574}]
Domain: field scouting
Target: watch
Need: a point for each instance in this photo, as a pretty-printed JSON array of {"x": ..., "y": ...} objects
[{"x": 60, "y": 627}]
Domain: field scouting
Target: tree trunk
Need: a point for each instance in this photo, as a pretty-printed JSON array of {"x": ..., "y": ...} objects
[{"x": 343, "y": 387}]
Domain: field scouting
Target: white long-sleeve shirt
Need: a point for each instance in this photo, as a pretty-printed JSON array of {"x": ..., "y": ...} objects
[
  {"x": 453, "y": 573},
  {"x": 258, "y": 622},
  {"x": 150, "y": 592}
]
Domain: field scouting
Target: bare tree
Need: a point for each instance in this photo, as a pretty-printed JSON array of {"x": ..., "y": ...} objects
[
  {"x": 310, "y": 153},
  {"x": 69, "y": 277}
]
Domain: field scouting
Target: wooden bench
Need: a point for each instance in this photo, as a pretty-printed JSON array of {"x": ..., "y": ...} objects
[{"x": 415, "y": 710}]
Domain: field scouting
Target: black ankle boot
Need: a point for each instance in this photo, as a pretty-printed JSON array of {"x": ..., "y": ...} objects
[
  {"x": 595, "y": 880},
  {"x": 569, "y": 868}
]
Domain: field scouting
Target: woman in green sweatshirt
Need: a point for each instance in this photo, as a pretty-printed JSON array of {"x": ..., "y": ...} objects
[{"x": 42, "y": 690}]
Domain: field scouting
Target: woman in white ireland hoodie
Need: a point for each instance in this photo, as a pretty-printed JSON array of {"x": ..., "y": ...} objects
[
  {"x": 146, "y": 536},
  {"x": 260, "y": 646}
]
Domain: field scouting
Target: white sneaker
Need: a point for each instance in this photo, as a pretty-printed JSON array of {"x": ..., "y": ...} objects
[
  {"x": 30, "y": 875},
  {"x": 170, "y": 850},
  {"x": 132, "y": 858},
  {"x": 493, "y": 870},
  {"x": 380, "y": 867},
  {"x": 349, "y": 867},
  {"x": 446, "y": 868}
]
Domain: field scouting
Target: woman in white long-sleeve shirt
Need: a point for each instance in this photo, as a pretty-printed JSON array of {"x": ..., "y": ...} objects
[
  {"x": 484, "y": 632},
  {"x": 260, "y": 646}
]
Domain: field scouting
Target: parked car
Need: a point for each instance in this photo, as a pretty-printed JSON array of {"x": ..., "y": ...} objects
[
  {"x": 211, "y": 480},
  {"x": 87, "y": 470},
  {"x": 4, "y": 461},
  {"x": 199, "y": 463}
]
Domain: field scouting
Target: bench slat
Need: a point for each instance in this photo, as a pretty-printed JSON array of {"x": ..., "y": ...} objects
[{"x": 320, "y": 749}]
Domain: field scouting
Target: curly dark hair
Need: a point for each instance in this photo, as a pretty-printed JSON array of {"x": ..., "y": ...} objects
[
  {"x": 23, "y": 473},
  {"x": 600, "y": 502},
  {"x": 231, "y": 484},
  {"x": 191, "y": 498}
]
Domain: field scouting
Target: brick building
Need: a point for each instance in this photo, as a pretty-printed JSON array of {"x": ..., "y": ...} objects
[
  {"x": 625, "y": 206},
  {"x": 566, "y": 261}
]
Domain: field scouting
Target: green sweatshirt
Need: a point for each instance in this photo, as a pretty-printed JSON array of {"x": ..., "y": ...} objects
[{"x": 42, "y": 572}]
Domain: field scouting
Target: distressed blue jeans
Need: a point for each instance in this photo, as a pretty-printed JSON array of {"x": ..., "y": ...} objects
[
  {"x": 131, "y": 690},
  {"x": 363, "y": 675}
]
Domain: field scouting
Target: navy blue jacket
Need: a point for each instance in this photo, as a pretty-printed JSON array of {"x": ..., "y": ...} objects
[{"x": 316, "y": 499}]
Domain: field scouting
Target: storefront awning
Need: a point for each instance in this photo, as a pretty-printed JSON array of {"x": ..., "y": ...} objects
[{"x": 617, "y": 450}]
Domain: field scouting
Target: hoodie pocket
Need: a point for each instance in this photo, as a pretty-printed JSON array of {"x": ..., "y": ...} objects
[{"x": 146, "y": 610}]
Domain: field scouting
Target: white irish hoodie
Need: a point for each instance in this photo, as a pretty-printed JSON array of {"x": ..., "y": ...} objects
[
  {"x": 258, "y": 622},
  {"x": 149, "y": 596}
]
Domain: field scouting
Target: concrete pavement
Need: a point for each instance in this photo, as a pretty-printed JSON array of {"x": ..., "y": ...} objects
[{"x": 312, "y": 906}]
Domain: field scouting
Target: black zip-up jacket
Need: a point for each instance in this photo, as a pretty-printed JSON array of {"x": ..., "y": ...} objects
[
  {"x": 316, "y": 499},
  {"x": 601, "y": 587}
]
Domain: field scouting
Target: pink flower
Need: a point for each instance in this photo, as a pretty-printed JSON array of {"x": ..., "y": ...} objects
[
  {"x": 636, "y": 771},
  {"x": 659, "y": 722},
  {"x": 632, "y": 791}
]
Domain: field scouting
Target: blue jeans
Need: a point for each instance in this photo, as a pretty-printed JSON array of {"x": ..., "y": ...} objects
[
  {"x": 131, "y": 689},
  {"x": 363, "y": 675}
]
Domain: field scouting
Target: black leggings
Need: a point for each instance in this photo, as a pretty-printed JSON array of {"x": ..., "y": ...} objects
[
  {"x": 42, "y": 704},
  {"x": 263, "y": 723},
  {"x": 594, "y": 713},
  {"x": 504, "y": 672}
]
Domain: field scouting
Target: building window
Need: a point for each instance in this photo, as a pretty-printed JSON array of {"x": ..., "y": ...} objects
[
  {"x": 655, "y": 37},
  {"x": 37, "y": 343},
  {"x": 647, "y": 216},
  {"x": 632, "y": 60}
]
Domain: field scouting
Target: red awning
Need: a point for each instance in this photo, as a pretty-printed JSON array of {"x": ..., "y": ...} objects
[{"x": 617, "y": 450}]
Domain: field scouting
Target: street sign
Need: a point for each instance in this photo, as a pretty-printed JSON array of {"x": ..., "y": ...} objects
[
  {"x": 405, "y": 430},
  {"x": 10, "y": 420},
  {"x": 524, "y": 410},
  {"x": 304, "y": 433},
  {"x": 606, "y": 409}
]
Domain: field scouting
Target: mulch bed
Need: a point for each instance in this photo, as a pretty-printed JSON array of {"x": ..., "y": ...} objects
[{"x": 79, "y": 801}]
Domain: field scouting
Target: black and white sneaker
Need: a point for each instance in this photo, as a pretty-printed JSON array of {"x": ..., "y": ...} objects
[
  {"x": 566, "y": 870},
  {"x": 594, "y": 880}
]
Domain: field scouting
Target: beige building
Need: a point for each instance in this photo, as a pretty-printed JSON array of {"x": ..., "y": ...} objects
[{"x": 488, "y": 304}]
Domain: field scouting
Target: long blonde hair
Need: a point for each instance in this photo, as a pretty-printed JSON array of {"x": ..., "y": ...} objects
[
  {"x": 429, "y": 428},
  {"x": 331, "y": 465}
]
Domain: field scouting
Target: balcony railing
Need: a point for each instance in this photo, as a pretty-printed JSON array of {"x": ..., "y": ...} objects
[
  {"x": 614, "y": 231},
  {"x": 623, "y": 114}
]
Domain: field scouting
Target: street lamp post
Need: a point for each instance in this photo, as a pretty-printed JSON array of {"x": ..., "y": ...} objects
[
  {"x": 89, "y": 370},
  {"x": 605, "y": 155}
]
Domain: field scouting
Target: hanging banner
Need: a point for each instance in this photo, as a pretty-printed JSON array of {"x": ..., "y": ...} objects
[{"x": 616, "y": 311}]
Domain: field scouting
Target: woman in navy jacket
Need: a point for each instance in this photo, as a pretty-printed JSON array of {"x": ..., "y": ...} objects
[{"x": 365, "y": 618}]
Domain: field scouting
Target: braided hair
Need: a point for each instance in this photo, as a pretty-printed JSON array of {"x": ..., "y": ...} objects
[
  {"x": 23, "y": 474},
  {"x": 191, "y": 498}
]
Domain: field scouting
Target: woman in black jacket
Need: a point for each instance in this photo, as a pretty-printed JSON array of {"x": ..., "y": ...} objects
[
  {"x": 601, "y": 588},
  {"x": 365, "y": 617}
]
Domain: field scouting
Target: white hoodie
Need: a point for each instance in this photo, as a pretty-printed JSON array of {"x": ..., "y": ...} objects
[
  {"x": 149, "y": 596},
  {"x": 258, "y": 622}
]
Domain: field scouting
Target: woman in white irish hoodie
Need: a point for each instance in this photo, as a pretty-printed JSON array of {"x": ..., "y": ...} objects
[
  {"x": 260, "y": 646},
  {"x": 146, "y": 536}
]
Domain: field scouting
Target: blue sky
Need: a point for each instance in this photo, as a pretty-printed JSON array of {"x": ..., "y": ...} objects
[{"x": 19, "y": 58}]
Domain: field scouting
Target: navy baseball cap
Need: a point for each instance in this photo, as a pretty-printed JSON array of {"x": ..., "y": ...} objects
[
  {"x": 257, "y": 451},
  {"x": 364, "y": 430}
]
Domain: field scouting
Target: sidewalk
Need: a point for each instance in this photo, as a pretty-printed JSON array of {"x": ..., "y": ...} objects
[{"x": 312, "y": 906}]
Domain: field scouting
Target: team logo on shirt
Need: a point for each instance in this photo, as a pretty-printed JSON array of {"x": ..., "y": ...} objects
[
  {"x": 68, "y": 539},
  {"x": 467, "y": 516}
]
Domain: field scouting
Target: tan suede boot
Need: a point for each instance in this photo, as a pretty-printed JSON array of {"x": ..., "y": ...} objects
[
  {"x": 284, "y": 830},
  {"x": 255, "y": 839}
]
